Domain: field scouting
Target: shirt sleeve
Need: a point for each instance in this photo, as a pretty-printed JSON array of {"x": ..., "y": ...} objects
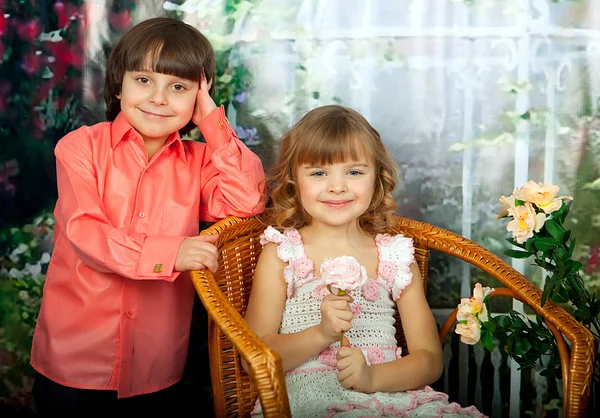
[
  {"x": 81, "y": 214},
  {"x": 232, "y": 175}
]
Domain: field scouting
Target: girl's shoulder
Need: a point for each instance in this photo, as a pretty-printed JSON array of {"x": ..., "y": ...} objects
[
  {"x": 397, "y": 241},
  {"x": 290, "y": 235}
]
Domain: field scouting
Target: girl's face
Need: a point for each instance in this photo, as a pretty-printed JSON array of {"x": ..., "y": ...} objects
[
  {"x": 156, "y": 104},
  {"x": 336, "y": 194}
]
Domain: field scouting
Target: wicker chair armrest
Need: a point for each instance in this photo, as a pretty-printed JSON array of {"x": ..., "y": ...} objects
[
  {"x": 265, "y": 365},
  {"x": 581, "y": 363}
]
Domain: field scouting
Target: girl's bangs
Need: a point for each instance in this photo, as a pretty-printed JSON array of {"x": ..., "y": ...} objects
[{"x": 333, "y": 150}]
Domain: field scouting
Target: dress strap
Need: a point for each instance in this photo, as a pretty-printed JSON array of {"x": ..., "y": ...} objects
[{"x": 396, "y": 254}]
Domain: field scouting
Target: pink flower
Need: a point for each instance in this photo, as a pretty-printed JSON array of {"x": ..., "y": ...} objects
[
  {"x": 343, "y": 273},
  {"x": 321, "y": 291},
  {"x": 470, "y": 332},
  {"x": 370, "y": 290},
  {"x": 294, "y": 237},
  {"x": 375, "y": 355},
  {"x": 356, "y": 310},
  {"x": 384, "y": 240},
  {"x": 387, "y": 270},
  {"x": 303, "y": 267},
  {"x": 327, "y": 357}
]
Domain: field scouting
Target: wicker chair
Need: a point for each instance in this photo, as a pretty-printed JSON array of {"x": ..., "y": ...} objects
[{"x": 225, "y": 296}]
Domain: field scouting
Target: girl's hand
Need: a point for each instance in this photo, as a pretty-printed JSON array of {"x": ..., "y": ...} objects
[
  {"x": 196, "y": 253},
  {"x": 336, "y": 316},
  {"x": 204, "y": 103},
  {"x": 353, "y": 370}
]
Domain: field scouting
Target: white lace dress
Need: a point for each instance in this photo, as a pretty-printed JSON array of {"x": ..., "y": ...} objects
[{"x": 313, "y": 388}]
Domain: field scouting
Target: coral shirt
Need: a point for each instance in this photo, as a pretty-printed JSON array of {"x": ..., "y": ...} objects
[{"x": 114, "y": 314}]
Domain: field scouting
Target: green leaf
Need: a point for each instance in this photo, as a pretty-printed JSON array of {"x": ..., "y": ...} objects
[
  {"x": 522, "y": 346},
  {"x": 554, "y": 229},
  {"x": 517, "y": 254},
  {"x": 487, "y": 341},
  {"x": 545, "y": 243}
]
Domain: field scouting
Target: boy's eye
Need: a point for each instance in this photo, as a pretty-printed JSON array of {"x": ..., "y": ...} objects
[
  {"x": 143, "y": 80},
  {"x": 179, "y": 87}
]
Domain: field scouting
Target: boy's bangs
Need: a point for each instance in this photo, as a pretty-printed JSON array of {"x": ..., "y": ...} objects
[
  {"x": 174, "y": 57},
  {"x": 337, "y": 149}
]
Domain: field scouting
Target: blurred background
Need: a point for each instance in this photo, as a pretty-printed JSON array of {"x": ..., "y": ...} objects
[{"x": 472, "y": 98}]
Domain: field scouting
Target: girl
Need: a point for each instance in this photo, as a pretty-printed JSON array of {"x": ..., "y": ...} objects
[
  {"x": 331, "y": 196},
  {"x": 115, "y": 316}
]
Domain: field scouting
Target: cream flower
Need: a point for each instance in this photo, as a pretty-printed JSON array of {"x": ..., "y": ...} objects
[
  {"x": 541, "y": 195},
  {"x": 470, "y": 333},
  {"x": 525, "y": 222},
  {"x": 343, "y": 273},
  {"x": 474, "y": 305},
  {"x": 509, "y": 203}
]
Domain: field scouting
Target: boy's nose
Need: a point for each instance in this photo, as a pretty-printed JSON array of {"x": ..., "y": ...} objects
[{"x": 157, "y": 96}]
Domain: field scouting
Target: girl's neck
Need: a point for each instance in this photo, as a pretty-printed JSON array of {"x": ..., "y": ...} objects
[{"x": 336, "y": 235}]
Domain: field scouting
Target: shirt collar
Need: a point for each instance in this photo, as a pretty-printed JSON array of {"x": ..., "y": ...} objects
[{"x": 121, "y": 127}]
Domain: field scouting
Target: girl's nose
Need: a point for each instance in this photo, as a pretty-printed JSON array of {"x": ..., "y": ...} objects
[{"x": 337, "y": 185}]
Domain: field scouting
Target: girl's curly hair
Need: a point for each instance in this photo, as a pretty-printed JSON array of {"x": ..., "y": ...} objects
[{"x": 327, "y": 135}]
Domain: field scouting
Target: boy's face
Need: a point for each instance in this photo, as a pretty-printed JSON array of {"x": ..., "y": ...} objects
[{"x": 156, "y": 104}]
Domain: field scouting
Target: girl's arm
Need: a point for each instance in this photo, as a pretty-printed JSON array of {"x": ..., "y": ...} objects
[
  {"x": 265, "y": 310},
  {"x": 424, "y": 364}
]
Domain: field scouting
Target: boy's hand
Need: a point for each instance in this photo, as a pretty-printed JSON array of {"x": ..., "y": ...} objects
[
  {"x": 204, "y": 103},
  {"x": 336, "y": 316},
  {"x": 353, "y": 370},
  {"x": 196, "y": 253}
]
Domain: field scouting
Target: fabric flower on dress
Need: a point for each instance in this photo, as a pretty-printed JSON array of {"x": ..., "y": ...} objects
[
  {"x": 370, "y": 290},
  {"x": 321, "y": 291},
  {"x": 384, "y": 240},
  {"x": 303, "y": 267},
  {"x": 356, "y": 309},
  {"x": 328, "y": 357},
  {"x": 375, "y": 355},
  {"x": 387, "y": 270}
]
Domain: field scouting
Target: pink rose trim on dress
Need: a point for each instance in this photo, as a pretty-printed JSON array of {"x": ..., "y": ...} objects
[
  {"x": 384, "y": 240},
  {"x": 343, "y": 273},
  {"x": 294, "y": 236},
  {"x": 387, "y": 270},
  {"x": 370, "y": 290},
  {"x": 303, "y": 267},
  {"x": 356, "y": 309},
  {"x": 328, "y": 357},
  {"x": 375, "y": 355},
  {"x": 321, "y": 291},
  {"x": 398, "y": 352}
]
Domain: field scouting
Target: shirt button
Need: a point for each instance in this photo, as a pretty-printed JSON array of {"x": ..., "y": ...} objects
[
  {"x": 142, "y": 214},
  {"x": 129, "y": 315}
]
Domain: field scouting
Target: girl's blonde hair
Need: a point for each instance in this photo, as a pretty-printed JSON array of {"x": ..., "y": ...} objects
[{"x": 327, "y": 135}]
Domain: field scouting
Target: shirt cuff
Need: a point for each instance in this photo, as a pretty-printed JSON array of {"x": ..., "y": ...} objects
[
  {"x": 216, "y": 129},
  {"x": 158, "y": 257}
]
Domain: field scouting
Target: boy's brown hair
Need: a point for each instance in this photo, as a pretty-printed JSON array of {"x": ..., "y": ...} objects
[
  {"x": 327, "y": 135},
  {"x": 170, "y": 46}
]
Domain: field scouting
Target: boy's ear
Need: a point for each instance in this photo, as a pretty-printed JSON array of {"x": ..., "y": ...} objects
[{"x": 118, "y": 96}]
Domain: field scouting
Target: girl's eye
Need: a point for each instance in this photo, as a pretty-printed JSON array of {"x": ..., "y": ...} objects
[
  {"x": 355, "y": 172},
  {"x": 143, "y": 80},
  {"x": 179, "y": 87},
  {"x": 320, "y": 173}
]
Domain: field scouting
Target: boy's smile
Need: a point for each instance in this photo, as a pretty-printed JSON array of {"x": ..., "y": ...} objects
[{"x": 156, "y": 104}]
